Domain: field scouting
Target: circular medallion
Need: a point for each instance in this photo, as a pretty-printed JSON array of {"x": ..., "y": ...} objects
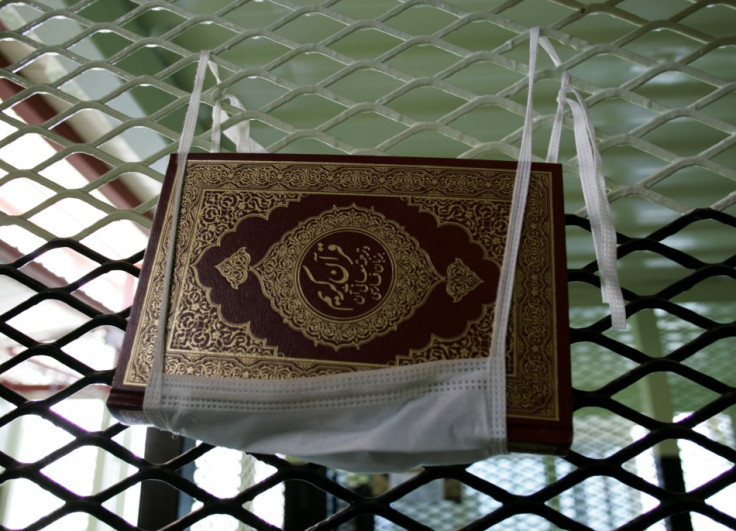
[{"x": 345, "y": 274}]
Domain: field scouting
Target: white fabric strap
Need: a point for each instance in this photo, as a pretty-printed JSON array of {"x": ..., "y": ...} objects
[
  {"x": 240, "y": 135},
  {"x": 604, "y": 234},
  {"x": 594, "y": 189},
  {"x": 154, "y": 390},
  {"x": 497, "y": 357}
]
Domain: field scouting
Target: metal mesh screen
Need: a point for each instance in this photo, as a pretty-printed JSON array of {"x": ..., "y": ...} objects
[{"x": 93, "y": 98}]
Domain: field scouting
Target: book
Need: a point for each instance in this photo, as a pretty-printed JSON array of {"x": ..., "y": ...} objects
[{"x": 293, "y": 266}]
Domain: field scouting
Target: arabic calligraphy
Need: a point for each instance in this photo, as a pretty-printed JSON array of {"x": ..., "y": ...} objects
[
  {"x": 345, "y": 274},
  {"x": 368, "y": 247}
]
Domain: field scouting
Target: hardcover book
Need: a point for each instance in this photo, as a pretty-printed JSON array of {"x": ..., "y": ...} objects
[{"x": 292, "y": 266}]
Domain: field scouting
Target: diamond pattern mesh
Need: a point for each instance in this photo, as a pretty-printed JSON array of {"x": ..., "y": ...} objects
[{"x": 93, "y": 98}]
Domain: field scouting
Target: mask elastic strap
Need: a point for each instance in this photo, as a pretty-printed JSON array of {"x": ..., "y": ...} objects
[
  {"x": 153, "y": 397},
  {"x": 604, "y": 234},
  {"x": 594, "y": 189},
  {"x": 497, "y": 357}
]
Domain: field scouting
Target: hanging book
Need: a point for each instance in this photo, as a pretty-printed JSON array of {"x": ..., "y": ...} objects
[{"x": 297, "y": 267}]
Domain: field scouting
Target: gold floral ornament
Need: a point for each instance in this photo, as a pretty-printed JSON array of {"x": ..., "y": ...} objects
[
  {"x": 235, "y": 267},
  {"x": 346, "y": 276},
  {"x": 461, "y": 280}
]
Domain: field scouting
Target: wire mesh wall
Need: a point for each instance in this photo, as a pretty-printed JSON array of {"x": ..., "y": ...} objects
[{"x": 93, "y": 98}]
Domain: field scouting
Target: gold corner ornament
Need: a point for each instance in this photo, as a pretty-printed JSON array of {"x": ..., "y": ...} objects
[
  {"x": 461, "y": 280},
  {"x": 346, "y": 276},
  {"x": 235, "y": 267}
]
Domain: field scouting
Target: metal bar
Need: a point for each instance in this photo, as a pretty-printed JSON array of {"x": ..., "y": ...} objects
[
  {"x": 658, "y": 404},
  {"x": 159, "y": 502}
]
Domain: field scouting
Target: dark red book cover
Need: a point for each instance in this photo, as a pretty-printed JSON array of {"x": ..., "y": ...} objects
[{"x": 291, "y": 266}]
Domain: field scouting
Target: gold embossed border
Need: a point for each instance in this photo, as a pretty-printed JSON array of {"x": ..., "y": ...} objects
[
  {"x": 531, "y": 361},
  {"x": 273, "y": 184},
  {"x": 202, "y": 223}
]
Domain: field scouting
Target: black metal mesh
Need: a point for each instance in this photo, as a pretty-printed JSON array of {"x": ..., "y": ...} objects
[{"x": 594, "y": 486}]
